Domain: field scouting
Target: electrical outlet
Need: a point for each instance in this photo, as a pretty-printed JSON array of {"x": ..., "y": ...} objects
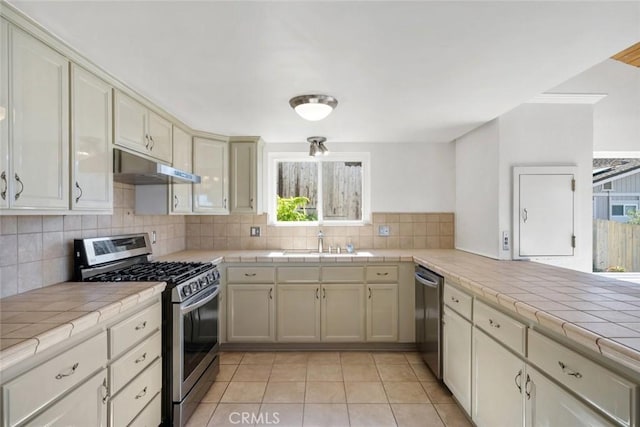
[
  {"x": 254, "y": 232},
  {"x": 383, "y": 230},
  {"x": 154, "y": 237},
  {"x": 505, "y": 240}
]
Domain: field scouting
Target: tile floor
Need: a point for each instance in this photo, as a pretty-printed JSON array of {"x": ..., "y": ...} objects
[{"x": 333, "y": 389}]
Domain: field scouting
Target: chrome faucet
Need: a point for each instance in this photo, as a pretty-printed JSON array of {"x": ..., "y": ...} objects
[{"x": 320, "y": 240}]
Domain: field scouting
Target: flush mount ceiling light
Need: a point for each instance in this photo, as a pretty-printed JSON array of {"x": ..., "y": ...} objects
[
  {"x": 313, "y": 107},
  {"x": 316, "y": 146}
]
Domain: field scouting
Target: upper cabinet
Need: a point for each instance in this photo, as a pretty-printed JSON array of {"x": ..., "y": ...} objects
[
  {"x": 246, "y": 159},
  {"x": 36, "y": 172},
  {"x": 142, "y": 130},
  {"x": 181, "y": 194},
  {"x": 91, "y": 141},
  {"x": 211, "y": 162}
]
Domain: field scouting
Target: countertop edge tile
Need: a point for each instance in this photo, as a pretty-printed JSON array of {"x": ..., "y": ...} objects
[
  {"x": 17, "y": 353},
  {"x": 53, "y": 336}
]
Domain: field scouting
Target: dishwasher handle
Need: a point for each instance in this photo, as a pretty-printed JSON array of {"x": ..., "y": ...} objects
[{"x": 425, "y": 281}]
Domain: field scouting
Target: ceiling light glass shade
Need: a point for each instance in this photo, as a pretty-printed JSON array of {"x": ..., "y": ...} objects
[{"x": 313, "y": 107}]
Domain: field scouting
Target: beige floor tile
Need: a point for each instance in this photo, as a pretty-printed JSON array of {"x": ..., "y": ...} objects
[
  {"x": 281, "y": 414},
  {"x": 413, "y": 357},
  {"x": 405, "y": 392},
  {"x": 290, "y": 372},
  {"x": 365, "y": 392},
  {"x": 244, "y": 392},
  {"x": 226, "y": 372},
  {"x": 231, "y": 358},
  {"x": 452, "y": 415},
  {"x": 360, "y": 373},
  {"x": 324, "y": 357},
  {"x": 284, "y": 392},
  {"x": 230, "y": 414},
  {"x": 201, "y": 415},
  {"x": 356, "y": 358},
  {"x": 370, "y": 415},
  {"x": 215, "y": 392},
  {"x": 396, "y": 373},
  {"x": 325, "y": 392},
  {"x": 389, "y": 358},
  {"x": 423, "y": 372},
  {"x": 252, "y": 373},
  {"x": 416, "y": 414},
  {"x": 293, "y": 357},
  {"x": 437, "y": 393},
  {"x": 258, "y": 358},
  {"x": 317, "y": 372},
  {"x": 325, "y": 415}
]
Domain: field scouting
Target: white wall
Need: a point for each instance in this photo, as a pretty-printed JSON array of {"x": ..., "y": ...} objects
[
  {"x": 405, "y": 177},
  {"x": 476, "y": 192}
]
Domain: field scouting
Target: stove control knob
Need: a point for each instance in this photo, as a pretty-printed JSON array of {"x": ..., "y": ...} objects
[
  {"x": 186, "y": 291},
  {"x": 194, "y": 286}
]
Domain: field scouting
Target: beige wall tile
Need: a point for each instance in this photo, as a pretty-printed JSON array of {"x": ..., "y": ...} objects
[
  {"x": 52, "y": 223},
  {"x": 29, "y": 224},
  {"x": 8, "y": 225},
  {"x": 29, "y": 247},
  {"x": 8, "y": 249},
  {"x": 52, "y": 245},
  {"x": 8, "y": 280},
  {"x": 29, "y": 276}
]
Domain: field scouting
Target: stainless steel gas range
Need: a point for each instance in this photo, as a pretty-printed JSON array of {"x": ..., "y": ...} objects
[{"x": 189, "y": 313}]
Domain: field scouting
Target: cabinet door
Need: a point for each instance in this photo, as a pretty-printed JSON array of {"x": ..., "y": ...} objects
[
  {"x": 210, "y": 160},
  {"x": 130, "y": 124},
  {"x": 250, "y": 313},
  {"x": 382, "y": 312},
  {"x": 4, "y": 114},
  {"x": 343, "y": 312},
  {"x": 160, "y": 138},
  {"x": 39, "y": 100},
  {"x": 181, "y": 200},
  {"x": 91, "y": 144},
  {"x": 85, "y": 406},
  {"x": 243, "y": 177},
  {"x": 298, "y": 313},
  {"x": 456, "y": 349},
  {"x": 497, "y": 384},
  {"x": 547, "y": 404}
]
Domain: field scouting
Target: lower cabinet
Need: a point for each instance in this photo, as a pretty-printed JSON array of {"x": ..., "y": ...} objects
[
  {"x": 456, "y": 342},
  {"x": 382, "y": 312},
  {"x": 342, "y": 309},
  {"x": 251, "y": 313},
  {"x": 299, "y": 313}
]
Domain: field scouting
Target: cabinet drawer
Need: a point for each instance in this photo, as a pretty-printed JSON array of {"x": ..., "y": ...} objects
[
  {"x": 508, "y": 331},
  {"x": 458, "y": 300},
  {"x": 298, "y": 274},
  {"x": 596, "y": 384},
  {"x": 151, "y": 415},
  {"x": 133, "y": 362},
  {"x": 133, "y": 398},
  {"x": 36, "y": 388},
  {"x": 134, "y": 329},
  {"x": 382, "y": 274},
  {"x": 250, "y": 275},
  {"x": 343, "y": 274}
]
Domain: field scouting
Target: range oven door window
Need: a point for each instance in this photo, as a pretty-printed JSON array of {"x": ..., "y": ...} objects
[{"x": 199, "y": 332}]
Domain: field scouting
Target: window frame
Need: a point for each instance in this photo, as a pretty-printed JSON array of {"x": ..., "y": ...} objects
[
  {"x": 624, "y": 204},
  {"x": 272, "y": 176}
]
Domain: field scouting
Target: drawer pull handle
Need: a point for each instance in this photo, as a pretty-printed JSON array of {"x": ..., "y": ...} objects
[
  {"x": 494, "y": 324},
  {"x": 456, "y": 300},
  {"x": 270, "y": 293},
  {"x": 141, "y": 326},
  {"x": 383, "y": 274},
  {"x": 568, "y": 371},
  {"x": 142, "y": 393},
  {"x": 70, "y": 372},
  {"x": 141, "y": 358},
  {"x": 369, "y": 293},
  {"x": 105, "y": 387},
  {"x": 3, "y": 177},
  {"x": 527, "y": 390},
  {"x": 250, "y": 274},
  {"x": 317, "y": 293},
  {"x": 17, "y": 195}
]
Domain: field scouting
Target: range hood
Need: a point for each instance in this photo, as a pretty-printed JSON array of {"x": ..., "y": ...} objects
[{"x": 132, "y": 169}]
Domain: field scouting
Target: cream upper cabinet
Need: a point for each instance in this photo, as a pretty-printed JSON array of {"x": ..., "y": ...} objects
[
  {"x": 251, "y": 313},
  {"x": 210, "y": 161},
  {"x": 382, "y": 312},
  {"x": 343, "y": 312},
  {"x": 298, "y": 312},
  {"x": 141, "y": 130},
  {"x": 4, "y": 111},
  {"x": 91, "y": 142},
  {"x": 456, "y": 350},
  {"x": 181, "y": 194},
  {"x": 38, "y": 173},
  {"x": 245, "y": 175}
]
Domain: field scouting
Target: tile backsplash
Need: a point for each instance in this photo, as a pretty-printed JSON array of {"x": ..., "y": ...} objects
[
  {"x": 37, "y": 251},
  {"x": 406, "y": 231}
]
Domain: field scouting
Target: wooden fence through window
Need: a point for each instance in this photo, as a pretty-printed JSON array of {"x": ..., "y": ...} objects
[{"x": 615, "y": 244}]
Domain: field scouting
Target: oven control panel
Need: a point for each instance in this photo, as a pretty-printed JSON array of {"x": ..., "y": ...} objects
[{"x": 195, "y": 285}]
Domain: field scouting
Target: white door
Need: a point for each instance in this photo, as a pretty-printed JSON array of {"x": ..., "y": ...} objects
[
  {"x": 250, "y": 313},
  {"x": 160, "y": 138},
  {"x": 298, "y": 313},
  {"x": 130, "y": 123},
  {"x": 382, "y": 312},
  {"x": 39, "y": 100},
  {"x": 243, "y": 177},
  {"x": 498, "y": 378},
  {"x": 91, "y": 141},
  {"x": 548, "y": 405},
  {"x": 210, "y": 161},
  {"x": 181, "y": 200},
  {"x": 4, "y": 115},
  {"x": 545, "y": 214},
  {"x": 456, "y": 354},
  {"x": 343, "y": 312}
]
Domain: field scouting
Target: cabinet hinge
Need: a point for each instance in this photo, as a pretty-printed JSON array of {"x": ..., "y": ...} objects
[
  {"x": 573, "y": 241},
  {"x": 573, "y": 185}
]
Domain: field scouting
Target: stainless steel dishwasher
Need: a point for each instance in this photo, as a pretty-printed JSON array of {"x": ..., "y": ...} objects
[{"x": 429, "y": 286}]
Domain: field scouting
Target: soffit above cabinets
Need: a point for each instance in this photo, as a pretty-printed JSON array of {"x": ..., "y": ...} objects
[{"x": 630, "y": 56}]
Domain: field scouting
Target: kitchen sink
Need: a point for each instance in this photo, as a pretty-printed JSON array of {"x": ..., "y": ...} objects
[{"x": 312, "y": 253}]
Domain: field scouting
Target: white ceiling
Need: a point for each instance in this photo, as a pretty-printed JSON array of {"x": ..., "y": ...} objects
[{"x": 401, "y": 71}]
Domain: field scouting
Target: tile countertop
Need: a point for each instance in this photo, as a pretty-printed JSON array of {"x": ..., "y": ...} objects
[
  {"x": 33, "y": 321},
  {"x": 598, "y": 312}
]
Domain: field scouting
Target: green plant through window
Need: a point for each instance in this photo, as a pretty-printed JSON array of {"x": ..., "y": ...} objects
[{"x": 294, "y": 209}]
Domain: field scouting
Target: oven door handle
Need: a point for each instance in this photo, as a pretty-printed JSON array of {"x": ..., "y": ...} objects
[{"x": 199, "y": 302}]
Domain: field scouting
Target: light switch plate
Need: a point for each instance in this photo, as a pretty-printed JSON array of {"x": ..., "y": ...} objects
[
  {"x": 254, "y": 232},
  {"x": 383, "y": 230},
  {"x": 505, "y": 240}
]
